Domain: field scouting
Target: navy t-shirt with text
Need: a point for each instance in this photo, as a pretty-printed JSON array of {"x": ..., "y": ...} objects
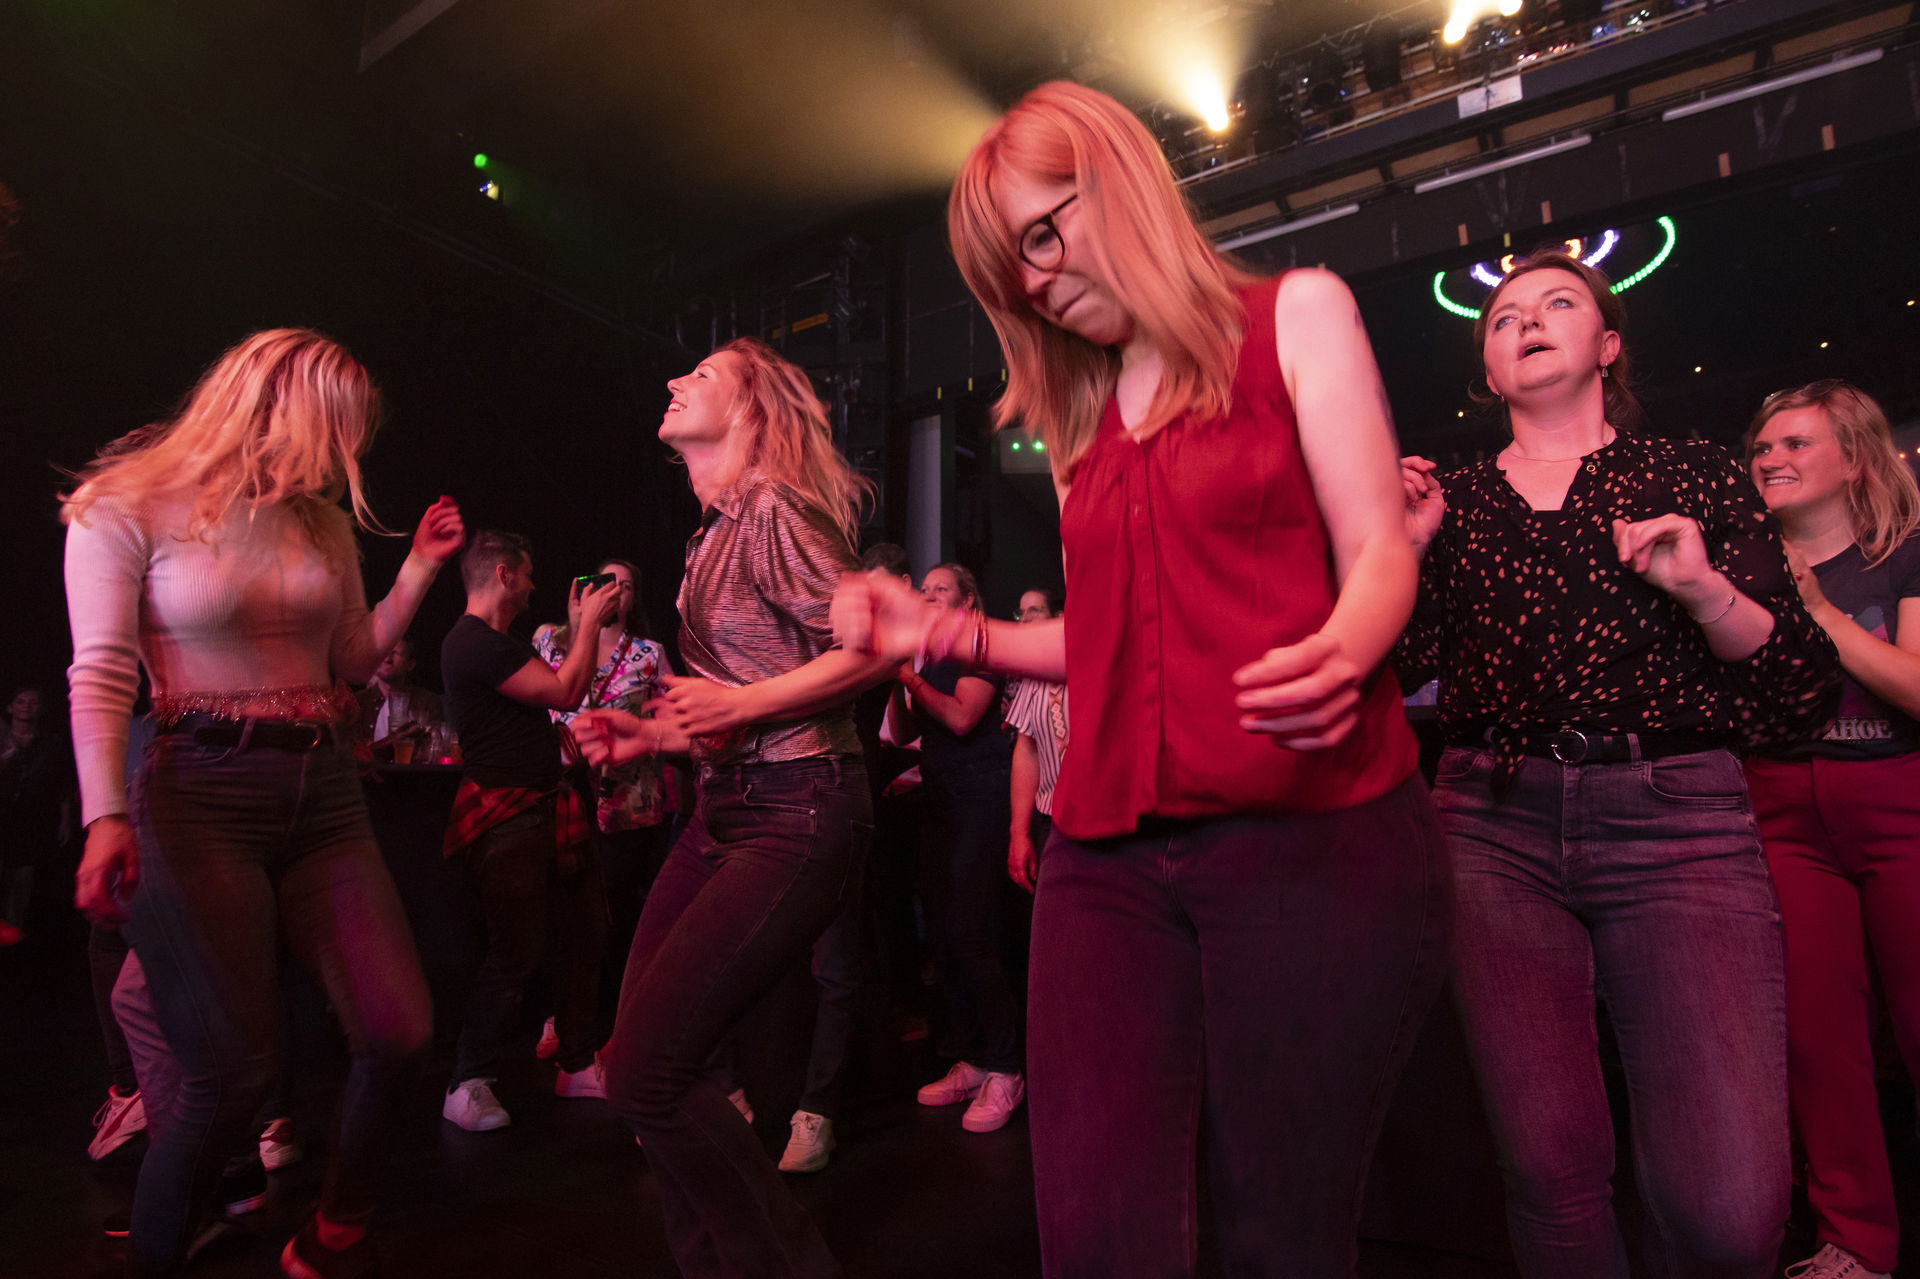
[{"x": 1864, "y": 726}]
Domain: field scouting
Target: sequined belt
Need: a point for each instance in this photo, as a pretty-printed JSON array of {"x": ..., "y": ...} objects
[{"x": 315, "y": 702}]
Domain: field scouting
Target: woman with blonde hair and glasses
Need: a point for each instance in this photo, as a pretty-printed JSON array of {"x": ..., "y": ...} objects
[
  {"x": 1840, "y": 811},
  {"x": 784, "y": 815},
  {"x": 1240, "y": 913},
  {"x": 212, "y": 550}
]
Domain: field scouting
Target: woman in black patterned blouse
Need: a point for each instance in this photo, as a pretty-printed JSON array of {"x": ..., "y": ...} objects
[{"x": 1608, "y": 614}]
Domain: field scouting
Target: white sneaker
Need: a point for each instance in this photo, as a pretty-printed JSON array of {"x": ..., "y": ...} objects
[
  {"x": 957, "y": 1085},
  {"x": 811, "y": 1143},
  {"x": 277, "y": 1146},
  {"x": 999, "y": 1097},
  {"x": 473, "y": 1106},
  {"x": 1833, "y": 1262},
  {"x": 740, "y": 1103},
  {"x": 591, "y": 1082},
  {"x": 116, "y": 1122}
]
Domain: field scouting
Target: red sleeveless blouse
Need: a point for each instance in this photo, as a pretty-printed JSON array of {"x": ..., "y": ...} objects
[{"x": 1188, "y": 556}]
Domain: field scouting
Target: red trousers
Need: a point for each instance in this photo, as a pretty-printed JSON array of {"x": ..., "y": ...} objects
[{"x": 1843, "y": 842}]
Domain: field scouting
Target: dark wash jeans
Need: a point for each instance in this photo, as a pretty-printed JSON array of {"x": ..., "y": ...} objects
[
  {"x": 969, "y": 912},
  {"x": 235, "y": 848},
  {"x": 1248, "y": 987},
  {"x": 1642, "y": 882},
  {"x": 532, "y": 909},
  {"x": 761, "y": 872}
]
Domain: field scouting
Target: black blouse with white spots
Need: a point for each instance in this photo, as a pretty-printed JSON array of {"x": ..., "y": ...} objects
[{"x": 1531, "y": 622}]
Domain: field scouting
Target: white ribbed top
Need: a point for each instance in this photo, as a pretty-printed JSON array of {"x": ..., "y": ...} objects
[{"x": 260, "y": 608}]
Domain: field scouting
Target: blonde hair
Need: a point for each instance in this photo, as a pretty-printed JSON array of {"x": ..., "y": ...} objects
[
  {"x": 1883, "y": 501},
  {"x": 1141, "y": 234},
  {"x": 964, "y": 579},
  {"x": 788, "y": 437},
  {"x": 282, "y": 417}
]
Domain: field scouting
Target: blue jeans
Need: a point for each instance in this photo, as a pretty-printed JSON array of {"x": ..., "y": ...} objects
[
  {"x": 1258, "y": 980},
  {"x": 235, "y": 848},
  {"x": 763, "y": 869},
  {"x": 837, "y": 978},
  {"x": 1641, "y": 882}
]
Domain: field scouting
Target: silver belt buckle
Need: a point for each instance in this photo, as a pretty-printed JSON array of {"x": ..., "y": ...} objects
[{"x": 1569, "y": 746}]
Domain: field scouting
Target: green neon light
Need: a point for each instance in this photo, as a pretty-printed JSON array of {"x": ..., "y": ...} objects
[
  {"x": 480, "y": 160},
  {"x": 1447, "y": 303},
  {"x": 1472, "y": 313},
  {"x": 1666, "y": 224}
]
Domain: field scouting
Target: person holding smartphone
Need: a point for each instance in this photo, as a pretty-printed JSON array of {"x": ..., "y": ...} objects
[{"x": 517, "y": 826}]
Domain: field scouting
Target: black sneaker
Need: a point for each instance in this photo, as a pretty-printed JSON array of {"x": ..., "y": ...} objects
[
  {"x": 243, "y": 1188},
  {"x": 306, "y": 1258}
]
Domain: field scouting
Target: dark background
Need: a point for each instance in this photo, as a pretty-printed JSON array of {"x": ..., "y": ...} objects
[{"x": 182, "y": 182}]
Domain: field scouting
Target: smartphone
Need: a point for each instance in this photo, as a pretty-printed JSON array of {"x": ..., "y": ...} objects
[{"x": 588, "y": 581}]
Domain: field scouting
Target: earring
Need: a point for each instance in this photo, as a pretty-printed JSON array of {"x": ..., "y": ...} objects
[{"x": 1603, "y": 372}]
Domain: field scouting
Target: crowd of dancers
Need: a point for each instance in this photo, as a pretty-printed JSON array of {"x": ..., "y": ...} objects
[{"x": 1246, "y": 899}]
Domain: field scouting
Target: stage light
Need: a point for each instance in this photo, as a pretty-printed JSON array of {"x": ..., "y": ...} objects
[
  {"x": 1206, "y": 97},
  {"x": 1039, "y": 446},
  {"x": 1326, "y": 78},
  {"x": 1696, "y": 368},
  {"x": 1509, "y": 8},
  {"x": 480, "y": 160},
  {"x": 1380, "y": 55},
  {"x": 1823, "y": 346}
]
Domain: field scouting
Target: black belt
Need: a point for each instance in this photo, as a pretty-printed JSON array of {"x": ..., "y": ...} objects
[
  {"x": 1585, "y": 746},
  {"x": 297, "y": 735}
]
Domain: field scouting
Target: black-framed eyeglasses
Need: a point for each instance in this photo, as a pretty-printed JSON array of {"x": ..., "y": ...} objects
[{"x": 1040, "y": 244}]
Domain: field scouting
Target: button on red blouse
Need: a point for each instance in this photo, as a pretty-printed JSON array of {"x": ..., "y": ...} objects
[{"x": 1189, "y": 555}]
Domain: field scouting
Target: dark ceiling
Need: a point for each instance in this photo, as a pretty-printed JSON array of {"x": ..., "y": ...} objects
[{"x": 638, "y": 144}]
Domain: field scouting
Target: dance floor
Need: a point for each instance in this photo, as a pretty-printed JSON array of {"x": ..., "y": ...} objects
[{"x": 561, "y": 1193}]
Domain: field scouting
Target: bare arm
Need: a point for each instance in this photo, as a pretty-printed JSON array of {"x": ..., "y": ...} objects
[
  {"x": 700, "y": 706},
  {"x": 1346, "y": 433},
  {"x": 1023, "y": 860},
  {"x": 873, "y": 613},
  {"x": 365, "y": 634},
  {"x": 1890, "y": 672},
  {"x": 831, "y": 679},
  {"x": 1307, "y": 694},
  {"x": 958, "y": 711},
  {"x": 538, "y": 684}
]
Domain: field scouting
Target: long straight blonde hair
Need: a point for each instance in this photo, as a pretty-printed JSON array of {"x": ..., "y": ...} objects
[
  {"x": 788, "y": 436},
  {"x": 1159, "y": 266},
  {"x": 282, "y": 417},
  {"x": 1883, "y": 500}
]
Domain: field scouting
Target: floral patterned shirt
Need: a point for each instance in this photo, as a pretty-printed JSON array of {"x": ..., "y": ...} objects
[
  {"x": 629, "y": 795},
  {"x": 1531, "y": 622}
]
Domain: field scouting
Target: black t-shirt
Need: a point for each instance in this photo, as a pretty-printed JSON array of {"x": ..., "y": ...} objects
[
  {"x": 950, "y": 757},
  {"x": 504, "y": 742},
  {"x": 1864, "y": 726}
]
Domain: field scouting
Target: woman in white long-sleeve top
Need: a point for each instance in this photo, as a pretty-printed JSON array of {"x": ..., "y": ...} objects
[{"x": 212, "y": 550}]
